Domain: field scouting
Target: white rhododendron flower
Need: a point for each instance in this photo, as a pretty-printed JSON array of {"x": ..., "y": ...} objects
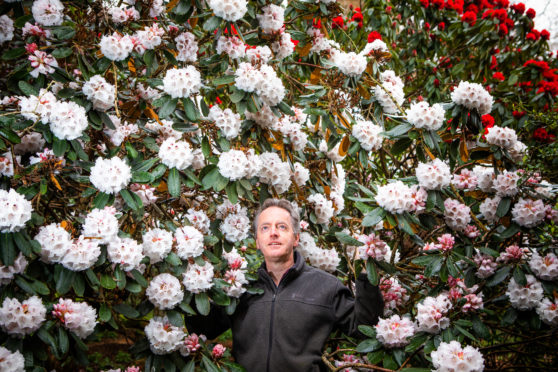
[
  {"x": 272, "y": 18},
  {"x": 99, "y": 92},
  {"x": 525, "y": 297},
  {"x": 456, "y": 214},
  {"x": 182, "y": 82},
  {"x": 486, "y": 265},
  {"x": 422, "y": 115},
  {"x": 15, "y": 211},
  {"x": 126, "y": 251},
  {"x": 528, "y": 212},
  {"x": 451, "y": 357},
  {"x": 176, "y": 154},
  {"x": 164, "y": 338},
  {"x": 275, "y": 172},
  {"x": 235, "y": 259},
  {"x": 351, "y": 64},
  {"x": 157, "y": 244},
  {"x": 235, "y": 227},
  {"x": 22, "y": 318},
  {"x": 300, "y": 174},
  {"x": 465, "y": 180},
  {"x": 101, "y": 224},
  {"x": 373, "y": 247},
  {"x": 395, "y": 331},
  {"x": 485, "y": 177},
  {"x": 116, "y": 47},
  {"x": 7, "y": 164},
  {"x": 232, "y": 164},
  {"x": 377, "y": 46},
  {"x": 323, "y": 259},
  {"x": 226, "y": 120},
  {"x": 199, "y": 219},
  {"x": 237, "y": 281},
  {"x": 48, "y": 12},
  {"x": 81, "y": 254},
  {"x": 431, "y": 314},
  {"x": 110, "y": 175},
  {"x": 189, "y": 242},
  {"x": 368, "y": 134},
  {"x": 11, "y": 361},
  {"x": 390, "y": 93},
  {"x": 434, "y": 175},
  {"x": 283, "y": 47},
  {"x": 473, "y": 96},
  {"x": 6, "y": 28},
  {"x": 393, "y": 293},
  {"x": 548, "y": 311},
  {"x": 187, "y": 47},
  {"x": 545, "y": 268},
  {"x": 122, "y": 130},
  {"x": 68, "y": 120},
  {"x": 395, "y": 197},
  {"x": 232, "y": 46},
  {"x": 505, "y": 184},
  {"x": 35, "y": 107},
  {"x": 197, "y": 279},
  {"x": 323, "y": 208},
  {"x": 77, "y": 317},
  {"x": 7, "y": 273},
  {"x": 121, "y": 15},
  {"x": 164, "y": 291},
  {"x": 229, "y": 10},
  {"x": 502, "y": 137}
]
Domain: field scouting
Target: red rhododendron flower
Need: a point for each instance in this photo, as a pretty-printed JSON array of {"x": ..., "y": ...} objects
[
  {"x": 518, "y": 8},
  {"x": 427, "y": 26},
  {"x": 31, "y": 48},
  {"x": 374, "y": 35},
  {"x": 317, "y": 23},
  {"x": 531, "y": 13},
  {"x": 357, "y": 17},
  {"x": 425, "y": 3},
  {"x": 499, "y": 76},
  {"x": 218, "y": 100},
  {"x": 487, "y": 120},
  {"x": 532, "y": 36},
  {"x": 540, "y": 134},
  {"x": 469, "y": 17},
  {"x": 472, "y": 8},
  {"x": 441, "y": 26},
  {"x": 550, "y": 87},
  {"x": 543, "y": 65},
  {"x": 502, "y": 30},
  {"x": 456, "y": 5},
  {"x": 438, "y": 3},
  {"x": 518, "y": 114},
  {"x": 493, "y": 63},
  {"x": 337, "y": 22},
  {"x": 436, "y": 83},
  {"x": 545, "y": 35},
  {"x": 509, "y": 22}
]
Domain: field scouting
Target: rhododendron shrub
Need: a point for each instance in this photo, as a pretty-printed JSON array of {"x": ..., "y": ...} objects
[{"x": 138, "y": 139}]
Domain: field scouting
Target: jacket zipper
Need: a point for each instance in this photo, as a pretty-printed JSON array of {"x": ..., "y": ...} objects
[{"x": 271, "y": 330}]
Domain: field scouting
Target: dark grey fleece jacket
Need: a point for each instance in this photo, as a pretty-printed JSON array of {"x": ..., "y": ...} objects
[{"x": 286, "y": 327}]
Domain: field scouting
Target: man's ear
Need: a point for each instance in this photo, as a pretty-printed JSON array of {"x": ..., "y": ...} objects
[{"x": 297, "y": 239}]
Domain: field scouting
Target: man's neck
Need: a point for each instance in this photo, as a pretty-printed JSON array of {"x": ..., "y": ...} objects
[{"x": 277, "y": 269}]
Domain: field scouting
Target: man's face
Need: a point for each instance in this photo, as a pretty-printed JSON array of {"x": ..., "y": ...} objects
[{"x": 275, "y": 236}]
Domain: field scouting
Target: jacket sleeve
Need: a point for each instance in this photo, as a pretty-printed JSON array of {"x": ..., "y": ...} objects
[
  {"x": 212, "y": 325},
  {"x": 351, "y": 312}
]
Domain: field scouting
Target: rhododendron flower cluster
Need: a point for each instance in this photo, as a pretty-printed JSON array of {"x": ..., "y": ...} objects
[
  {"x": 473, "y": 96},
  {"x": 11, "y": 361},
  {"x": 453, "y": 357},
  {"x": 525, "y": 297},
  {"x": 164, "y": 291},
  {"x": 110, "y": 175},
  {"x": 22, "y": 318},
  {"x": 15, "y": 211},
  {"x": 395, "y": 331},
  {"x": 164, "y": 338},
  {"x": 198, "y": 278},
  {"x": 78, "y": 317}
]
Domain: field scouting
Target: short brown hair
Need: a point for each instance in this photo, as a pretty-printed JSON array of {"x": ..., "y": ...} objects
[{"x": 283, "y": 204}]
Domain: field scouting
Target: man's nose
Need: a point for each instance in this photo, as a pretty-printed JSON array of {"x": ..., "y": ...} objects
[{"x": 274, "y": 231}]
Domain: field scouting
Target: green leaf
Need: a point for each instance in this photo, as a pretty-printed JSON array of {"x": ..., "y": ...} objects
[
  {"x": 503, "y": 207},
  {"x": 416, "y": 342},
  {"x": 202, "y": 303},
  {"x": 347, "y": 239},
  {"x": 374, "y": 217},
  {"x": 64, "y": 32},
  {"x": 190, "y": 367},
  {"x": 92, "y": 277},
  {"x": 173, "y": 182},
  {"x": 400, "y": 146},
  {"x": 285, "y": 108},
  {"x": 133, "y": 287},
  {"x": 59, "y": 147},
  {"x": 212, "y": 23},
  {"x": 367, "y": 330},
  {"x": 209, "y": 365},
  {"x": 465, "y": 332},
  {"x": 480, "y": 329},
  {"x": 175, "y": 318},
  {"x": 10, "y": 135},
  {"x": 27, "y": 88},
  {"x": 224, "y": 80},
  {"x": 372, "y": 272},
  {"x": 389, "y": 362},
  {"x": 173, "y": 259},
  {"x": 519, "y": 276},
  {"x": 237, "y": 95},
  {"x": 368, "y": 346},
  {"x": 126, "y": 310},
  {"x": 191, "y": 110},
  {"x": 40, "y": 288},
  {"x": 499, "y": 277},
  {"x": 139, "y": 278},
  {"x": 398, "y": 131},
  {"x": 125, "y": 194},
  {"x": 168, "y": 108},
  {"x": 78, "y": 284},
  {"x": 13, "y": 54},
  {"x": 47, "y": 338},
  {"x": 8, "y": 251},
  {"x": 231, "y": 192},
  {"x": 206, "y": 147},
  {"x": 62, "y": 52},
  {"x": 65, "y": 280},
  {"x": 101, "y": 200},
  {"x": 104, "y": 313},
  {"x": 510, "y": 231},
  {"x": 107, "y": 281},
  {"x": 120, "y": 277},
  {"x": 63, "y": 341},
  {"x": 23, "y": 284},
  {"x": 433, "y": 267},
  {"x": 423, "y": 260}
]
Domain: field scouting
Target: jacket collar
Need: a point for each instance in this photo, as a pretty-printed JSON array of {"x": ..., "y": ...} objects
[{"x": 290, "y": 275}]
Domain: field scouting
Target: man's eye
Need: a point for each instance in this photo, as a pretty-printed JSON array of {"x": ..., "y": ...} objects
[
  {"x": 264, "y": 228},
  {"x": 283, "y": 227}
]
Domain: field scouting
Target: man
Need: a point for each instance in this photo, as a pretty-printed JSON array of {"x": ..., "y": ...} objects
[{"x": 286, "y": 327}]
